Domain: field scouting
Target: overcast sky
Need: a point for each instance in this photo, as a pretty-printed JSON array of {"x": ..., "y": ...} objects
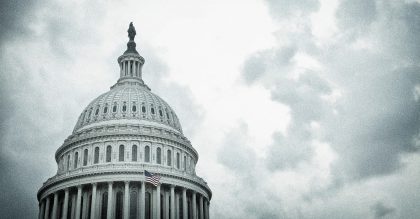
[{"x": 297, "y": 108}]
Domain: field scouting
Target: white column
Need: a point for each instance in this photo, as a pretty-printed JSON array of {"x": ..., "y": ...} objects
[
  {"x": 66, "y": 203},
  {"x": 109, "y": 209},
  {"x": 85, "y": 205},
  {"x": 78, "y": 201},
  {"x": 142, "y": 200},
  {"x": 73, "y": 206},
  {"x": 177, "y": 214},
  {"x": 55, "y": 203},
  {"x": 158, "y": 202},
  {"x": 47, "y": 209},
  {"x": 121, "y": 69},
  {"x": 207, "y": 209},
  {"x": 126, "y": 199},
  {"x": 194, "y": 205},
  {"x": 201, "y": 207},
  {"x": 42, "y": 210},
  {"x": 184, "y": 203},
  {"x": 123, "y": 66},
  {"x": 167, "y": 205},
  {"x": 93, "y": 202},
  {"x": 172, "y": 202}
]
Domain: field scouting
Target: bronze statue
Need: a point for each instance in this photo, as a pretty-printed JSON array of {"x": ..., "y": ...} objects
[{"x": 131, "y": 31}]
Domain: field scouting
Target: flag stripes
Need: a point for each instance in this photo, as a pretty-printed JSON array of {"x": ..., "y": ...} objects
[{"x": 152, "y": 178}]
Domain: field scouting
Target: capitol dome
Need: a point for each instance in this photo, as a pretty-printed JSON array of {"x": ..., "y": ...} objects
[
  {"x": 128, "y": 103},
  {"x": 127, "y": 157}
]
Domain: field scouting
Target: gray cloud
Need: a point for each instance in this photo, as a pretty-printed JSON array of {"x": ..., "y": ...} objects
[
  {"x": 356, "y": 13},
  {"x": 13, "y": 16},
  {"x": 180, "y": 98},
  {"x": 34, "y": 121},
  {"x": 373, "y": 122},
  {"x": 239, "y": 158},
  {"x": 363, "y": 100},
  {"x": 285, "y": 8},
  {"x": 235, "y": 153},
  {"x": 381, "y": 210}
]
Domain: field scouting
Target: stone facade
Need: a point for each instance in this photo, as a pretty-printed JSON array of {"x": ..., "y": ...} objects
[{"x": 117, "y": 137}]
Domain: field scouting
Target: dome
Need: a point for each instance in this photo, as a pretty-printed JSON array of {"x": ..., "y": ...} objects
[
  {"x": 126, "y": 157},
  {"x": 128, "y": 102}
]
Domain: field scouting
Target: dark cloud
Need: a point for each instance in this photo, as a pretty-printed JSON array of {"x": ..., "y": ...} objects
[
  {"x": 17, "y": 183},
  {"x": 34, "y": 121},
  {"x": 304, "y": 97},
  {"x": 356, "y": 13},
  {"x": 14, "y": 15},
  {"x": 375, "y": 118},
  {"x": 381, "y": 210},
  {"x": 256, "y": 66}
]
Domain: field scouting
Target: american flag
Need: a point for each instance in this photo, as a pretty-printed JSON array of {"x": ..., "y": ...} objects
[{"x": 152, "y": 178}]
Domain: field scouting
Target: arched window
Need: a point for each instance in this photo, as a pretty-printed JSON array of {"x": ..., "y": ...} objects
[
  {"x": 169, "y": 158},
  {"x": 119, "y": 206},
  {"x": 185, "y": 162},
  {"x": 121, "y": 153},
  {"x": 160, "y": 113},
  {"x": 96, "y": 155},
  {"x": 158, "y": 156},
  {"x": 177, "y": 160},
  {"x": 76, "y": 158},
  {"x": 124, "y": 108},
  {"x": 133, "y": 205},
  {"x": 148, "y": 205},
  {"x": 68, "y": 162},
  {"x": 108, "y": 153},
  {"x": 134, "y": 108},
  {"x": 152, "y": 110},
  {"x": 143, "y": 109},
  {"x": 85, "y": 157},
  {"x": 104, "y": 205},
  {"x": 114, "y": 108},
  {"x": 97, "y": 111},
  {"x": 105, "y": 109},
  {"x": 134, "y": 153},
  {"x": 147, "y": 154}
]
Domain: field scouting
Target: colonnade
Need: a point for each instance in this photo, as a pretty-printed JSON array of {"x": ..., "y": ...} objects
[
  {"x": 130, "y": 68},
  {"x": 128, "y": 199}
]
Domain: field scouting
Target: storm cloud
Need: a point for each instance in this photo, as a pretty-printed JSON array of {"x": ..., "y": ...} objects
[{"x": 306, "y": 109}]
